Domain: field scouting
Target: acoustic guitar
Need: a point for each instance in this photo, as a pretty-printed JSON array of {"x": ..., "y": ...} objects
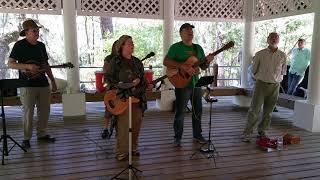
[
  {"x": 43, "y": 68},
  {"x": 180, "y": 78},
  {"x": 116, "y": 103}
]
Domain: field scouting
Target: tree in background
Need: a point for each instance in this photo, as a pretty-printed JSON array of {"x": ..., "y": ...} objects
[
  {"x": 96, "y": 35},
  {"x": 11, "y": 25},
  {"x": 290, "y": 30}
]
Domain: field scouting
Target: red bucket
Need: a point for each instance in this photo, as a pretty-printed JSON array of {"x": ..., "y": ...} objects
[
  {"x": 99, "y": 81},
  {"x": 148, "y": 74}
]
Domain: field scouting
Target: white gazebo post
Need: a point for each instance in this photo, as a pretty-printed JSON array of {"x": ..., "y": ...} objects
[
  {"x": 247, "y": 52},
  {"x": 167, "y": 96},
  {"x": 74, "y": 103},
  {"x": 307, "y": 112}
]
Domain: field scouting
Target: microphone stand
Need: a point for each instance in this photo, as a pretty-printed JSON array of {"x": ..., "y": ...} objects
[{"x": 130, "y": 167}]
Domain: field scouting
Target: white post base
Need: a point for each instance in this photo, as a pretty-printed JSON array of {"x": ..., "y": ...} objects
[
  {"x": 307, "y": 116},
  {"x": 167, "y": 97},
  {"x": 74, "y": 104},
  {"x": 242, "y": 101},
  {"x": 166, "y": 101}
]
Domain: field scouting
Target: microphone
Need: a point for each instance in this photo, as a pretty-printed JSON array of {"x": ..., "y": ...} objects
[{"x": 148, "y": 56}]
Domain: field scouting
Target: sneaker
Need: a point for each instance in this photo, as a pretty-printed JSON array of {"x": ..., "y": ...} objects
[
  {"x": 105, "y": 134},
  {"x": 177, "y": 142},
  {"x": 275, "y": 109},
  {"x": 246, "y": 138},
  {"x": 26, "y": 144},
  {"x": 200, "y": 140},
  {"x": 47, "y": 138}
]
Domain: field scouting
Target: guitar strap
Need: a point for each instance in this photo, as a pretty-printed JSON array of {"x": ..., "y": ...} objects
[{"x": 195, "y": 49}]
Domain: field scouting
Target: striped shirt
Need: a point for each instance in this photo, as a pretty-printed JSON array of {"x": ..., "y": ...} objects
[{"x": 269, "y": 66}]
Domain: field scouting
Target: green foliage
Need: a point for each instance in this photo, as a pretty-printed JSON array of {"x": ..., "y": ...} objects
[
  {"x": 147, "y": 39},
  {"x": 290, "y": 30}
]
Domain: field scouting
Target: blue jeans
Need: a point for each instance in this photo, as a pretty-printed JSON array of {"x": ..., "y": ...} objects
[
  {"x": 293, "y": 81},
  {"x": 183, "y": 95}
]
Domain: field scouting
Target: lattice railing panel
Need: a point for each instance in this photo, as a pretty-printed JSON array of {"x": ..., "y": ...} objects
[
  {"x": 209, "y": 9},
  {"x": 35, "y": 5},
  {"x": 142, "y": 8},
  {"x": 265, "y": 8}
]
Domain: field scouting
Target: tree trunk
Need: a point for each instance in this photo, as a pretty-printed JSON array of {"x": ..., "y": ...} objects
[
  {"x": 106, "y": 25},
  {"x": 5, "y": 40}
]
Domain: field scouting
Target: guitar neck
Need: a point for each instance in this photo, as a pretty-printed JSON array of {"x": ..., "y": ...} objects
[
  {"x": 225, "y": 47},
  {"x": 57, "y": 66},
  {"x": 159, "y": 79}
]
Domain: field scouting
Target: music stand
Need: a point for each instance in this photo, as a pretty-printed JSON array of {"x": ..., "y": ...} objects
[
  {"x": 125, "y": 92},
  {"x": 210, "y": 151},
  {"x": 5, "y": 85}
]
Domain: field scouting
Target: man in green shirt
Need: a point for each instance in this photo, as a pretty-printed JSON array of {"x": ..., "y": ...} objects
[
  {"x": 298, "y": 65},
  {"x": 178, "y": 53}
]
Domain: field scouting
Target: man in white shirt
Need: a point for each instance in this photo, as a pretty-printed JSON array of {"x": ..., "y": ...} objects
[{"x": 269, "y": 66}]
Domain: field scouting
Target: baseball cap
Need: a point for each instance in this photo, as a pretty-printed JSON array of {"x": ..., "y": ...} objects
[{"x": 185, "y": 25}]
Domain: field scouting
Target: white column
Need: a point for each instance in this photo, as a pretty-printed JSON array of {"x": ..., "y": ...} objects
[
  {"x": 307, "y": 113},
  {"x": 74, "y": 101},
  {"x": 168, "y": 24},
  {"x": 167, "y": 96},
  {"x": 314, "y": 73},
  {"x": 247, "y": 51},
  {"x": 70, "y": 42}
]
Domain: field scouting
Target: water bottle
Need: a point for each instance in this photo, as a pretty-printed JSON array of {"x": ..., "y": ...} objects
[{"x": 280, "y": 143}]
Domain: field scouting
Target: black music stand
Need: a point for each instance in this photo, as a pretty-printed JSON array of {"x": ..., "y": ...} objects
[
  {"x": 210, "y": 151},
  {"x": 5, "y": 85}
]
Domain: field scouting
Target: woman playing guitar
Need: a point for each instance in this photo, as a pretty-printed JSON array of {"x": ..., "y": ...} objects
[{"x": 126, "y": 74}]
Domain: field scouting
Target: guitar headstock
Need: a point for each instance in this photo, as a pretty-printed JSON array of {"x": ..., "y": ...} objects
[
  {"x": 229, "y": 45},
  {"x": 67, "y": 65}
]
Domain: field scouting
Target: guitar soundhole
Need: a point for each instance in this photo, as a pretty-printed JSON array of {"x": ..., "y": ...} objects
[{"x": 111, "y": 104}]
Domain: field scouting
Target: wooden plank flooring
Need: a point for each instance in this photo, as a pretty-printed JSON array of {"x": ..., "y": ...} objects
[{"x": 80, "y": 153}]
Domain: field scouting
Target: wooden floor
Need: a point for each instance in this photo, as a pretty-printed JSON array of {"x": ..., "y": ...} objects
[{"x": 80, "y": 153}]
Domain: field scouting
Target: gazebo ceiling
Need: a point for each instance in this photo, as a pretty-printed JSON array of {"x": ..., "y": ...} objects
[
  {"x": 270, "y": 9},
  {"x": 204, "y": 10}
]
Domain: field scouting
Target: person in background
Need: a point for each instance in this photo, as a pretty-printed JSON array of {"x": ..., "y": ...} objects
[
  {"x": 269, "y": 66},
  {"x": 179, "y": 53},
  {"x": 128, "y": 69},
  {"x": 107, "y": 115},
  {"x": 298, "y": 64},
  {"x": 30, "y": 57}
]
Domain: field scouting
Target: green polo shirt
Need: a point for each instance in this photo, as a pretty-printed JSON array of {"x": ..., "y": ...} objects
[
  {"x": 300, "y": 61},
  {"x": 180, "y": 52}
]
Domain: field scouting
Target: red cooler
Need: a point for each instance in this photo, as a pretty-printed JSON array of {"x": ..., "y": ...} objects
[
  {"x": 148, "y": 74},
  {"x": 99, "y": 81}
]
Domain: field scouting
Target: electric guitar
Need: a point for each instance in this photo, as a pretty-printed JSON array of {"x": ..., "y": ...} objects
[
  {"x": 180, "y": 78},
  {"x": 116, "y": 103},
  {"x": 43, "y": 68}
]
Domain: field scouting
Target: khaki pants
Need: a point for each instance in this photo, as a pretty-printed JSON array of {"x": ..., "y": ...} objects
[
  {"x": 265, "y": 94},
  {"x": 29, "y": 97},
  {"x": 123, "y": 129}
]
